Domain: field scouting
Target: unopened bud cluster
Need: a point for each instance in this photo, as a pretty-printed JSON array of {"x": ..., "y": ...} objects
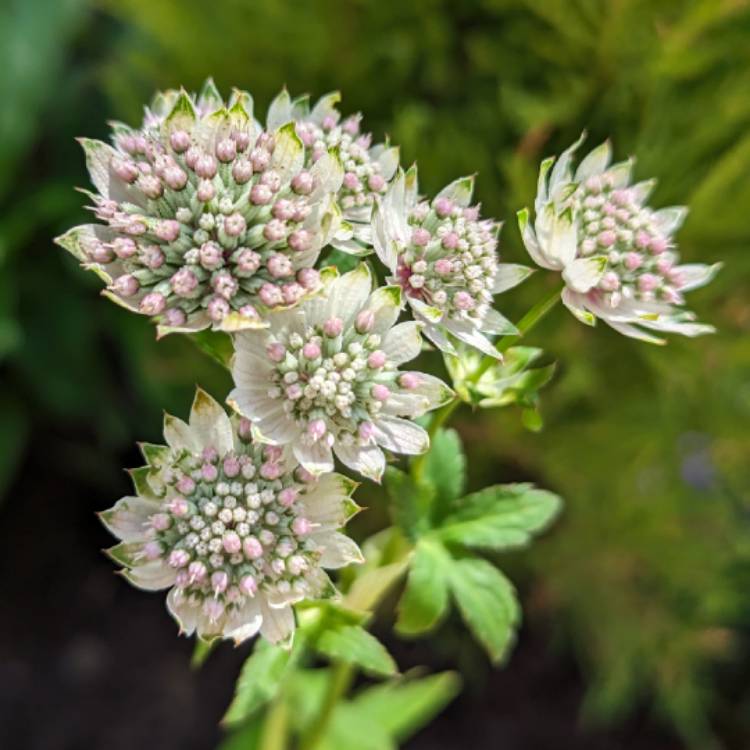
[
  {"x": 334, "y": 382},
  {"x": 231, "y": 525},
  {"x": 641, "y": 262},
  {"x": 451, "y": 261}
]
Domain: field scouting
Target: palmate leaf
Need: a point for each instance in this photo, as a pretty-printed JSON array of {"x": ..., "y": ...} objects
[
  {"x": 410, "y": 501},
  {"x": 500, "y": 517},
  {"x": 445, "y": 469}
]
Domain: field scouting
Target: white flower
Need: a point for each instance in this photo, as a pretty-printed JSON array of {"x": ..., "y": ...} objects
[
  {"x": 444, "y": 257},
  {"x": 323, "y": 378},
  {"x": 617, "y": 256},
  {"x": 208, "y": 219},
  {"x": 367, "y": 169},
  {"x": 236, "y": 530}
]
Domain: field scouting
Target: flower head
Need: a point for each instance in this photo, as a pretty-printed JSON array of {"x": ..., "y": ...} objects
[
  {"x": 444, "y": 257},
  {"x": 207, "y": 219},
  {"x": 617, "y": 256},
  {"x": 235, "y": 529},
  {"x": 324, "y": 378},
  {"x": 367, "y": 169}
]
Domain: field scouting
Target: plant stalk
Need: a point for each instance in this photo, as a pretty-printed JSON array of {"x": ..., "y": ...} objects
[{"x": 341, "y": 680}]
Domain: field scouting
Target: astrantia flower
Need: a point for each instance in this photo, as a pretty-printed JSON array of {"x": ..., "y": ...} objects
[
  {"x": 236, "y": 530},
  {"x": 444, "y": 257},
  {"x": 209, "y": 220},
  {"x": 324, "y": 378},
  {"x": 367, "y": 169},
  {"x": 617, "y": 256}
]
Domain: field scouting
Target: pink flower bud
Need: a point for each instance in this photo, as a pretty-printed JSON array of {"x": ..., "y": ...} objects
[
  {"x": 380, "y": 392},
  {"x": 303, "y": 183},
  {"x": 224, "y": 284},
  {"x": 351, "y": 181},
  {"x": 126, "y": 170},
  {"x": 316, "y": 429},
  {"x": 610, "y": 282},
  {"x": 209, "y": 472},
  {"x": 211, "y": 256},
  {"x": 376, "y": 183},
  {"x": 248, "y": 261},
  {"x": 124, "y": 247},
  {"x": 210, "y": 454},
  {"x": 409, "y": 380},
  {"x": 175, "y": 177},
  {"x": 642, "y": 239},
  {"x": 178, "y": 506},
  {"x": 606, "y": 238},
  {"x": 242, "y": 171},
  {"x": 252, "y": 548},
  {"x": 231, "y": 542},
  {"x": 376, "y": 360},
  {"x": 152, "y": 550},
  {"x": 248, "y": 586},
  {"x": 178, "y": 558},
  {"x": 260, "y": 195},
  {"x": 664, "y": 265},
  {"x": 179, "y": 140},
  {"x": 594, "y": 184},
  {"x": 183, "y": 282},
  {"x": 197, "y": 571},
  {"x": 420, "y": 237},
  {"x": 287, "y": 496},
  {"x": 167, "y": 230},
  {"x": 275, "y": 230},
  {"x": 219, "y": 581},
  {"x": 174, "y": 317},
  {"x": 151, "y": 186},
  {"x": 279, "y": 266},
  {"x": 292, "y": 293},
  {"x": 450, "y": 241},
  {"x": 126, "y": 285},
  {"x": 276, "y": 352},
  {"x": 657, "y": 245},
  {"x": 309, "y": 278},
  {"x": 205, "y": 167},
  {"x": 270, "y": 471},
  {"x": 333, "y": 327},
  {"x": 648, "y": 282},
  {"x": 443, "y": 207},
  {"x": 260, "y": 159},
  {"x": 471, "y": 213},
  {"x": 311, "y": 350},
  {"x": 217, "y": 309},
  {"x": 226, "y": 150},
  {"x": 300, "y": 240},
  {"x": 283, "y": 209},
  {"x": 633, "y": 261},
  {"x": 160, "y": 521},
  {"x": 185, "y": 485},
  {"x": 301, "y": 526},
  {"x": 206, "y": 191},
  {"x": 305, "y": 476},
  {"x": 153, "y": 304},
  {"x": 364, "y": 321},
  {"x": 231, "y": 466},
  {"x": 153, "y": 257},
  {"x": 234, "y": 224},
  {"x": 294, "y": 391},
  {"x": 270, "y": 295},
  {"x": 366, "y": 431},
  {"x": 463, "y": 300},
  {"x": 241, "y": 139},
  {"x": 443, "y": 266},
  {"x": 245, "y": 429}
]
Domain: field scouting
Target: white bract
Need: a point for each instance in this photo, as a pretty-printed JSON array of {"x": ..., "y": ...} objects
[
  {"x": 444, "y": 257},
  {"x": 617, "y": 256},
  {"x": 324, "y": 378},
  {"x": 367, "y": 169},
  {"x": 209, "y": 220},
  {"x": 237, "y": 531}
]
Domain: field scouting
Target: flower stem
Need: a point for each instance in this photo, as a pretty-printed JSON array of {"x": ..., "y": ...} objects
[
  {"x": 527, "y": 322},
  {"x": 341, "y": 680},
  {"x": 275, "y": 727}
]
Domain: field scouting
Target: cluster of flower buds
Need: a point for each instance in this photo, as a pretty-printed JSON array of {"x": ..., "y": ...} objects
[
  {"x": 209, "y": 220},
  {"x": 617, "y": 255},
  {"x": 367, "y": 169},
  {"x": 325, "y": 378},
  {"x": 234, "y": 526},
  {"x": 445, "y": 259}
]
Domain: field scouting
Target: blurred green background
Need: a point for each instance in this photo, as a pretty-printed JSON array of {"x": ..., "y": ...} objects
[{"x": 646, "y": 580}]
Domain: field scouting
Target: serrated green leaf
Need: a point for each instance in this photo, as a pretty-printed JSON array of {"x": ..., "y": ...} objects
[
  {"x": 352, "y": 644},
  {"x": 258, "y": 682},
  {"x": 487, "y": 602},
  {"x": 425, "y": 599},
  {"x": 445, "y": 468},
  {"x": 410, "y": 502},
  {"x": 403, "y": 707},
  {"x": 500, "y": 517}
]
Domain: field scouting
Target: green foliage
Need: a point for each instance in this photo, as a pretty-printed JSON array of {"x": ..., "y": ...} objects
[
  {"x": 352, "y": 644},
  {"x": 445, "y": 532}
]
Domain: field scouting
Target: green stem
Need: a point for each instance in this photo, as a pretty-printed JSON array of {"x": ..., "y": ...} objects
[
  {"x": 527, "y": 322},
  {"x": 275, "y": 727},
  {"x": 341, "y": 680}
]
